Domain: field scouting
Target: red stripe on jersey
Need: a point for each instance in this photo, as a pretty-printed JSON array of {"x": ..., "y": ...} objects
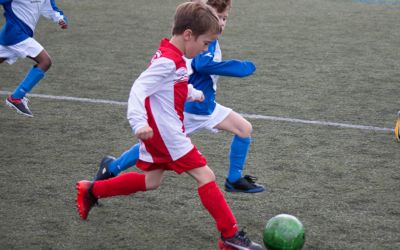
[
  {"x": 155, "y": 145},
  {"x": 180, "y": 96}
]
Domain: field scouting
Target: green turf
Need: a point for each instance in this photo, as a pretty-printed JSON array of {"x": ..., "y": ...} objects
[{"x": 330, "y": 60}]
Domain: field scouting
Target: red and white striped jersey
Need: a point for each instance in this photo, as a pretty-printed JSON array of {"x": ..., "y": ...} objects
[{"x": 157, "y": 99}]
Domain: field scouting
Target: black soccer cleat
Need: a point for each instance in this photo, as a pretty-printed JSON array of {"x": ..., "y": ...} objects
[
  {"x": 104, "y": 173},
  {"x": 20, "y": 105},
  {"x": 240, "y": 242},
  {"x": 246, "y": 184}
]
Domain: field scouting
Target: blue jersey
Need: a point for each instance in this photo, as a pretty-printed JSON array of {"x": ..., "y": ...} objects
[
  {"x": 22, "y": 16},
  {"x": 205, "y": 69}
]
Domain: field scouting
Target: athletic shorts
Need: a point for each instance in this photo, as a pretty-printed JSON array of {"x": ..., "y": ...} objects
[
  {"x": 28, "y": 47},
  {"x": 193, "y": 159},
  {"x": 193, "y": 122}
]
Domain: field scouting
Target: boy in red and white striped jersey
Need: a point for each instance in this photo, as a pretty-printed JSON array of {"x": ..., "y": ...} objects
[{"x": 155, "y": 113}]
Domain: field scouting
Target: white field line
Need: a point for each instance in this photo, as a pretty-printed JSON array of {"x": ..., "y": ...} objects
[{"x": 250, "y": 116}]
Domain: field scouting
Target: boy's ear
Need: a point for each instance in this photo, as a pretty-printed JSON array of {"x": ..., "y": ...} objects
[{"x": 187, "y": 34}]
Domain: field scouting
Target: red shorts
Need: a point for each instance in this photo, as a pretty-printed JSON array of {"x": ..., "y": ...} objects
[{"x": 193, "y": 159}]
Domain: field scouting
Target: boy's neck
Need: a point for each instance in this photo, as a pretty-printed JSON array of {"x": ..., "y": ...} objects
[{"x": 178, "y": 42}]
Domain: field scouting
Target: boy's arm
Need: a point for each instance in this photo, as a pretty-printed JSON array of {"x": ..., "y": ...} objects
[
  {"x": 52, "y": 12},
  {"x": 148, "y": 83},
  {"x": 204, "y": 63}
]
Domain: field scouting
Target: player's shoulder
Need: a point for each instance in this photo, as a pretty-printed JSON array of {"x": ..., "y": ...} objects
[{"x": 170, "y": 52}]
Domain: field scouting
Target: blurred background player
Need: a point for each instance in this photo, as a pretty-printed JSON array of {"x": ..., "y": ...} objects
[
  {"x": 155, "y": 113},
  {"x": 16, "y": 41},
  {"x": 397, "y": 128},
  {"x": 204, "y": 71}
]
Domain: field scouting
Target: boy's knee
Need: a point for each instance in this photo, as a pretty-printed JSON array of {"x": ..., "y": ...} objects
[
  {"x": 206, "y": 177},
  {"x": 45, "y": 63},
  {"x": 246, "y": 130},
  {"x": 152, "y": 185}
]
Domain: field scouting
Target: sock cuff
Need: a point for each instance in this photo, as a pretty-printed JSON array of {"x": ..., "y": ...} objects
[
  {"x": 204, "y": 188},
  {"x": 244, "y": 140},
  {"x": 38, "y": 70}
]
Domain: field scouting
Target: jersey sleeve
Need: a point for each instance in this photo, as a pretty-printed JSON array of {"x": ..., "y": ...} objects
[
  {"x": 205, "y": 64},
  {"x": 52, "y": 12},
  {"x": 5, "y": 1},
  {"x": 147, "y": 84}
]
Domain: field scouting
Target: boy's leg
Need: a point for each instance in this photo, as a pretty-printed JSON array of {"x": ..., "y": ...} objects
[
  {"x": 110, "y": 167},
  {"x": 237, "y": 157},
  {"x": 88, "y": 192},
  {"x": 17, "y": 99},
  {"x": 214, "y": 201},
  {"x": 36, "y": 73},
  {"x": 241, "y": 141}
]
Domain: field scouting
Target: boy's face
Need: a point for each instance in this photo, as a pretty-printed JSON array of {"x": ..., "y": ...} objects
[
  {"x": 197, "y": 45},
  {"x": 223, "y": 18}
]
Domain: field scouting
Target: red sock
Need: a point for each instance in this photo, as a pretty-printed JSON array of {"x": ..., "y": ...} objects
[
  {"x": 214, "y": 201},
  {"x": 123, "y": 184}
]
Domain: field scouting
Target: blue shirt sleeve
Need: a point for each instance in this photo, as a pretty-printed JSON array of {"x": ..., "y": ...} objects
[
  {"x": 204, "y": 64},
  {"x": 5, "y": 1}
]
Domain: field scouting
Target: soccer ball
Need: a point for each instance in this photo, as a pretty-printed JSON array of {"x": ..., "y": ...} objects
[{"x": 284, "y": 232}]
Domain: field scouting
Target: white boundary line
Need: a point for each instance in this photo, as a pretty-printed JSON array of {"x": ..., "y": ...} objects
[{"x": 250, "y": 116}]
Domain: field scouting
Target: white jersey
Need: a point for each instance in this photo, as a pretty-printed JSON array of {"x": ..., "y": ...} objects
[
  {"x": 22, "y": 17},
  {"x": 157, "y": 100}
]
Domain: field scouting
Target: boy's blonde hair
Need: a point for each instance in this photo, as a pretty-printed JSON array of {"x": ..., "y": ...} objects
[
  {"x": 196, "y": 16},
  {"x": 218, "y": 5}
]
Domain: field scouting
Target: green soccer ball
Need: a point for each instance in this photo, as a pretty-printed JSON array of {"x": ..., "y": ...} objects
[{"x": 284, "y": 232}]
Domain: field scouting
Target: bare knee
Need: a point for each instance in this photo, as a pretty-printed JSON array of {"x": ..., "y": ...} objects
[
  {"x": 43, "y": 60},
  {"x": 153, "y": 183},
  {"x": 245, "y": 130},
  {"x": 202, "y": 175},
  {"x": 45, "y": 64}
]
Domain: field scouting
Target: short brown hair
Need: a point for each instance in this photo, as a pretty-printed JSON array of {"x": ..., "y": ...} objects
[
  {"x": 197, "y": 17},
  {"x": 219, "y": 5}
]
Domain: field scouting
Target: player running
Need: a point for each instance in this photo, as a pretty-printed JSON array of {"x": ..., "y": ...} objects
[{"x": 16, "y": 41}]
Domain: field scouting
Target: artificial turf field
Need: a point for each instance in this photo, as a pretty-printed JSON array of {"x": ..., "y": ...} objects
[{"x": 317, "y": 60}]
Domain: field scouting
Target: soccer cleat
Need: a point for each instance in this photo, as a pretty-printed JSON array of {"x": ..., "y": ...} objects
[
  {"x": 397, "y": 128},
  {"x": 239, "y": 241},
  {"x": 20, "y": 105},
  {"x": 85, "y": 199},
  {"x": 246, "y": 184},
  {"x": 104, "y": 173}
]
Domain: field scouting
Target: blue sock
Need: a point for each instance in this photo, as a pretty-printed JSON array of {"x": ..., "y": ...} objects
[
  {"x": 31, "y": 79},
  {"x": 126, "y": 160},
  {"x": 237, "y": 157}
]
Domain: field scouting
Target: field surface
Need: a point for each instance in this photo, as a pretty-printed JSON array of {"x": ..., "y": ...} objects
[{"x": 322, "y": 104}]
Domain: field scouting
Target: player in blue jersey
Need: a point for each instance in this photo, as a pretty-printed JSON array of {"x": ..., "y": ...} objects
[
  {"x": 16, "y": 41},
  {"x": 210, "y": 115}
]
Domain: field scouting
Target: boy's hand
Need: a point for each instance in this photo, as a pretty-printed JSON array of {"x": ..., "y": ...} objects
[
  {"x": 144, "y": 133},
  {"x": 199, "y": 98},
  {"x": 63, "y": 25},
  {"x": 195, "y": 95}
]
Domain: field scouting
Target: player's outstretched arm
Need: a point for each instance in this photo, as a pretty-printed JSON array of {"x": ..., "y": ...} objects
[
  {"x": 205, "y": 64},
  {"x": 52, "y": 12}
]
